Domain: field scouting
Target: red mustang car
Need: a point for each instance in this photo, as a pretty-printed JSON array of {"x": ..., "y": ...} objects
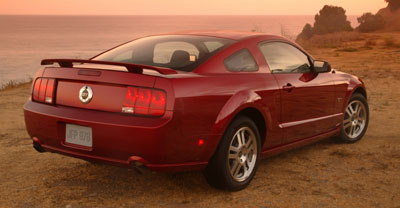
[{"x": 213, "y": 101}]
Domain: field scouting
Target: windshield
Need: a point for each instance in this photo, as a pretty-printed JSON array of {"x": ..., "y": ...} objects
[{"x": 179, "y": 52}]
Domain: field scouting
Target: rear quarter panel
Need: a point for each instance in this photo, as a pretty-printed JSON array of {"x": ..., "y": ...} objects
[
  {"x": 206, "y": 108},
  {"x": 207, "y": 101}
]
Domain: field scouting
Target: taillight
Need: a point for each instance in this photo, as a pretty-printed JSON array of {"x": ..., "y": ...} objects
[
  {"x": 43, "y": 90},
  {"x": 157, "y": 105},
  {"x": 144, "y": 101}
]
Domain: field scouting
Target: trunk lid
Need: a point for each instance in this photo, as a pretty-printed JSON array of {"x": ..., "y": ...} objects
[{"x": 109, "y": 87}]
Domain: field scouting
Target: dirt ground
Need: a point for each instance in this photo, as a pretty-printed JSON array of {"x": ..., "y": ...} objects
[{"x": 325, "y": 174}]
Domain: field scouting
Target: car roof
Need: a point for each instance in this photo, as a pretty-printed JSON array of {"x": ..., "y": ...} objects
[{"x": 228, "y": 34}]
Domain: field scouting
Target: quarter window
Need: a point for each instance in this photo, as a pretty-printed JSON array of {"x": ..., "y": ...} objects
[
  {"x": 241, "y": 61},
  {"x": 213, "y": 45},
  {"x": 285, "y": 58}
]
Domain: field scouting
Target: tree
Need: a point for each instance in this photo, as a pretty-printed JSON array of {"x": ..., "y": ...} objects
[
  {"x": 331, "y": 19},
  {"x": 393, "y": 4},
  {"x": 369, "y": 22}
]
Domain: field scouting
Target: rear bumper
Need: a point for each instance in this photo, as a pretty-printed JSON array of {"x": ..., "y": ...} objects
[
  {"x": 132, "y": 161},
  {"x": 118, "y": 139}
]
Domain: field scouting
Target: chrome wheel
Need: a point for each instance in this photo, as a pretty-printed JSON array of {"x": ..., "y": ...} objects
[
  {"x": 242, "y": 154},
  {"x": 354, "y": 119}
]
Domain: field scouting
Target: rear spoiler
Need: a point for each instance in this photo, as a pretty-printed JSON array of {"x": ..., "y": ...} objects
[{"x": 134, "y": 68}]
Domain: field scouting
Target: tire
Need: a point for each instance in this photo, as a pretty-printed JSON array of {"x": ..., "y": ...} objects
[
  {"x": 232, "y": 155},
  {"x": 356, "y": 118}
]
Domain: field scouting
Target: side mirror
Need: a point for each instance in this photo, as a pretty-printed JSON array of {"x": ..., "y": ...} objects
[{"x": 321, "y": 67}]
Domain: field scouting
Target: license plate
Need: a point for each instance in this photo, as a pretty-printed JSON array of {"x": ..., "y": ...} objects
[{"x": 80, "y": 135}]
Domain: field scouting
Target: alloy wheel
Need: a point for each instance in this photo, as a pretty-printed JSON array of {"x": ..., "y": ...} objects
[
  {"x": 242, "y": 154},
  {"x": 354, "y": 119}
]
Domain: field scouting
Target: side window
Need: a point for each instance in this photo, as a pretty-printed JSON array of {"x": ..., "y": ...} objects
[
  {"x": 241, "y": 61},
  {"x": 285, "y": 58}
]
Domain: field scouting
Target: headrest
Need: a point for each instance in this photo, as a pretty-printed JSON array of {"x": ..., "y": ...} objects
[{"x": 180, "y": 56}]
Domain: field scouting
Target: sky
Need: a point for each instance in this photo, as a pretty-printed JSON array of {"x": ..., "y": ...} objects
[{"x": 183, "y": 7}]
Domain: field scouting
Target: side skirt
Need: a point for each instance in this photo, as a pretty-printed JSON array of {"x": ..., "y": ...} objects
[{"x": 300, "y": 143}]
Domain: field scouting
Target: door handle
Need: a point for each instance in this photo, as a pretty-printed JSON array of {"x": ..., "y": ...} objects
[{"x": 288, "y": 87}]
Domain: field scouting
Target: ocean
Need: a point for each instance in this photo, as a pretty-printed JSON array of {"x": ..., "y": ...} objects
[{"x": 26, "y": 40}]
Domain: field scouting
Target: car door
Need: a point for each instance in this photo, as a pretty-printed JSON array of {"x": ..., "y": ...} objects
[{"x": 307, "y": 98}]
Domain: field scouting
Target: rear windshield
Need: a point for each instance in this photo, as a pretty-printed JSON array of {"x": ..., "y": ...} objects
[{"x": 179, "y": 52}]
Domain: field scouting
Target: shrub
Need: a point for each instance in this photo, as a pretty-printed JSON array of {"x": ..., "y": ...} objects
[
  {"x": 331, "y": 19},
  {"x": 369, "y": 22},
  {"x": 307, "y": 32}
]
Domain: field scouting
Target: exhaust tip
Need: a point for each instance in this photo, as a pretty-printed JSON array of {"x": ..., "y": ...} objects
[
  {"x": 38, "y": 148},
  {"x": 138, "y": 164}
]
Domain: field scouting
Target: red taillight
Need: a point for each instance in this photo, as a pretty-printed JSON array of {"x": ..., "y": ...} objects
[
  {"x": 142, "y": 105},
  {"x": 49, "y": 91},
  {"x": 157, "y": 105},
  {"x": 144, "y": 101},
  {"x": 43, "y": 90},
  {"x": 36, "y": 89},
  {"x": 130, "y": 100}
]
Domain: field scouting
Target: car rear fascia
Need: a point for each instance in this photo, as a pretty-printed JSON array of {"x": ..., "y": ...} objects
[
  {"x": 156, "y": 142},
  {"x": 135, "y": 139}
]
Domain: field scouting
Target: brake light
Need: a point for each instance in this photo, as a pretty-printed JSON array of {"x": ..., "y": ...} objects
[
  {"x": 144, "y": 101},
  {"x": 43, "y": 90}
]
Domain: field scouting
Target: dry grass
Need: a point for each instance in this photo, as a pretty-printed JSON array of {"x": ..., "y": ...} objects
[
  {"x": 12, "y": 84},
  {"x": 370, "y": 43},
  {"x": 347, "y": 50},
  {"x": 391, "y": 42},
  {"x": 333, "y": 40}
]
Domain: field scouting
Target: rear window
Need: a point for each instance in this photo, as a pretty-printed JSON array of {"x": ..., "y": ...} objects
[
  {"x": 241, "y": 61},
  {"x": 179, "y": 52}
]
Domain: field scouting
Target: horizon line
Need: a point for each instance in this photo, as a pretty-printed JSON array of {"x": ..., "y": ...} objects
[{"x": 167, "y": 14}]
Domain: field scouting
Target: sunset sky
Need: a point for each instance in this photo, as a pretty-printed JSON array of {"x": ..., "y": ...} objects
[{"x": 183, "y": 7}]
